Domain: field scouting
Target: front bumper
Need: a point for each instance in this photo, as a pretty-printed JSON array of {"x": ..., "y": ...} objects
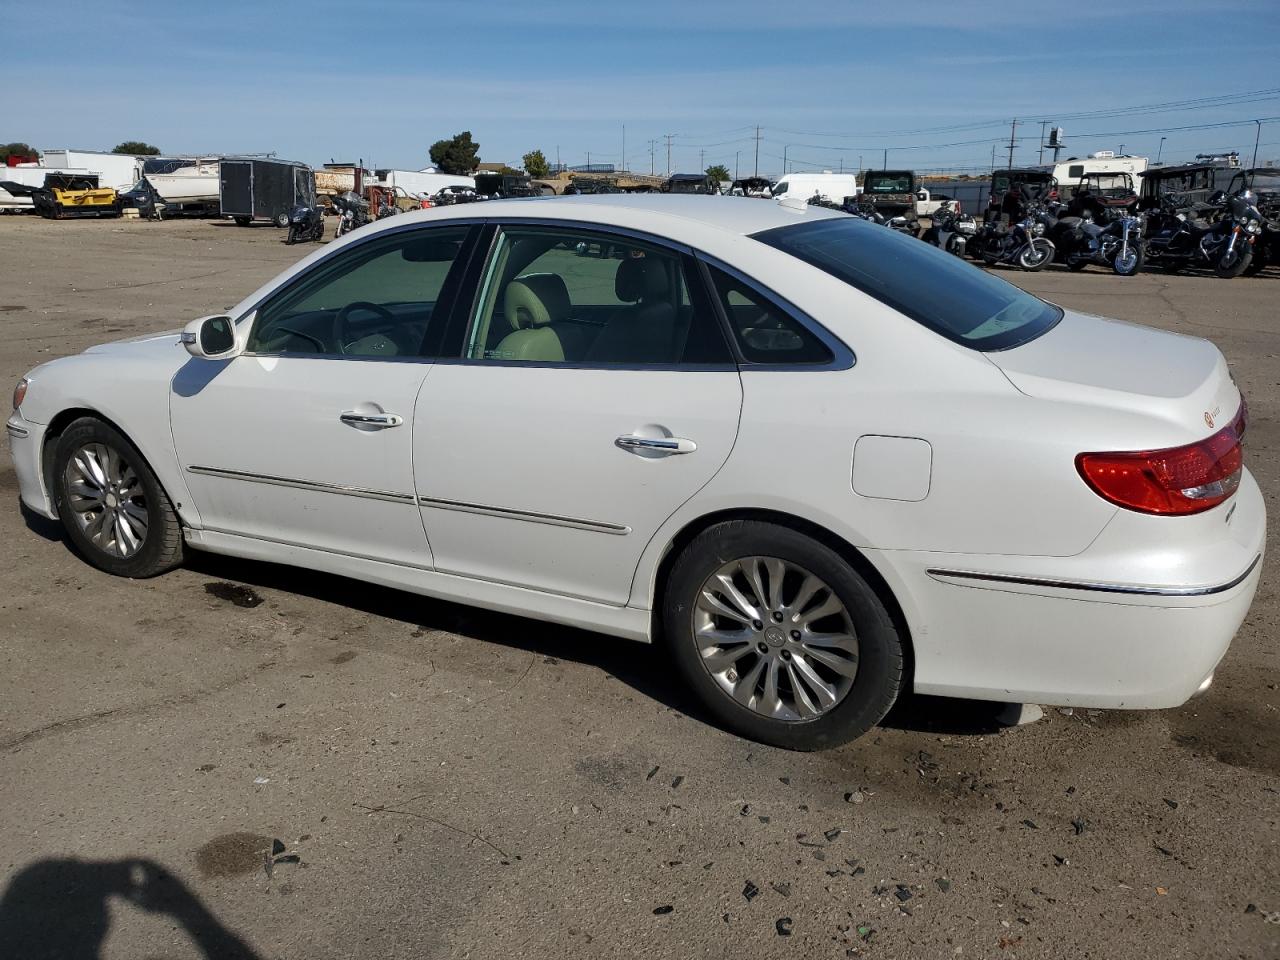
[
  {"x": 1139, "y": 620},
  {"x": 26, "y": 442}
]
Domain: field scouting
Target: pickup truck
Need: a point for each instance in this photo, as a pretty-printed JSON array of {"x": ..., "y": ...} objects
[{"x": 927, "y": 203}]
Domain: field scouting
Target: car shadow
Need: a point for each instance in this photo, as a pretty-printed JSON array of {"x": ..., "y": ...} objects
[
  {"x": 60, "y": 908},
  {"x": 643, "y": 667}
]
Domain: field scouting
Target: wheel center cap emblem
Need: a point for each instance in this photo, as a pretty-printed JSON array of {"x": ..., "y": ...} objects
[
  {"x": 775, "y": 637},
  {"x": 111, "y": 501}
]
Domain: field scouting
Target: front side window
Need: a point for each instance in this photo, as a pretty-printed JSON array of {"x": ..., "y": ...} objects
[
  {"x": 373, "y": 300},
  {"x": 555, "y": 295},
  {"x": 932, "y": 287}
]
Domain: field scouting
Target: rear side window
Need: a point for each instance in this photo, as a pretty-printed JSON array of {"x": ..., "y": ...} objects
[
  {"x": 934, "y": 288},
  {"x": 765, "y": 332}
]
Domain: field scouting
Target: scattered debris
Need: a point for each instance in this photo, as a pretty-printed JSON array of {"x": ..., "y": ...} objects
[
  {"x": 1162, "y": 891},
  {"x": 676, "y": 782},
  {"x": 1062, "y": 861},
  {"x": 943, "y": 884},
  {"x": 1007, "y": 942},
  {"x": 832, "y": 834},
  {"x": 786, "y": 781},
  {"x": 1173, "y": 804},
  {"x": 1272, "y": 916},
  {"x": 1251, "y": 908},
  {"x": 856, "y": 796},
  {"x": 902, "y": 893},
  {"x": 865, "y": 932},
  {"x": 750, "y": 891},
  {"x": 782, "y": 889},
  {"x": 783, "y": 926},
  {"x": 1079, "y": 826},
  {"x": 1167, "y": 853},
  {"x": 1066, "y": 711},
  {"x": 261, "y": 780},
  {"x": 233, "y": 593},
  {"x": 652, "y": 773},
  {"x": 662, "y": 910},
  {"x": 1031, "y": 824}
]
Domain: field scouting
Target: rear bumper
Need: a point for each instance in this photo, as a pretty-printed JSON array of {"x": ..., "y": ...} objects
[
  {"x": 26, "y": 441},
  {"x": 1088, "y": 630}
]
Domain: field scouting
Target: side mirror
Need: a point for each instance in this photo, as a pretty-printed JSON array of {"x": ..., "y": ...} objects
[{"x": 210, "y": 338}]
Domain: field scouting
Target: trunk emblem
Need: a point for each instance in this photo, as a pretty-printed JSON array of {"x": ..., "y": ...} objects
[{"x": 1208, "y": 419}]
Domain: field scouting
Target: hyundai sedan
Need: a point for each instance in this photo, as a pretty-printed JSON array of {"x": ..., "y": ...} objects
[{"x": 822, "y": 462}]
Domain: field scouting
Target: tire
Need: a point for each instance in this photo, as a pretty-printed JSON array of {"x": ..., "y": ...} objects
[
  {"x": 1076, "y": 265},
  {"x": 1239, "y": 264},
  {"x": 159, "y": 548},
  {"x": 281, "y": 220},
  {"x": 1026, "y": 258},
  {"x": 1259, "y": 261},
  {"x": 242, "y": 221},
  {"x": 1133, "y": 265},
  {"x": 294, "y": 235},
  {"x": 860, "y": 701}
]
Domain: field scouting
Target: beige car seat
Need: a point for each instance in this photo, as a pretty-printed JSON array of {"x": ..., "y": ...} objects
[{"x": 532, "y": 304}]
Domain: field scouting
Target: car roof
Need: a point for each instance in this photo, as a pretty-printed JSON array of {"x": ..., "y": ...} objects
[{"x": 657, "y": 212}]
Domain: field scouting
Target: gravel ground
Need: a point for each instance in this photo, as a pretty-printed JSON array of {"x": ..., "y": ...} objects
[{"x": 339, "y": 770}]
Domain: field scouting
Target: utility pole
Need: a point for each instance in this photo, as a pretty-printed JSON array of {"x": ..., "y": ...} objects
[
  {"x": 668, "y": 136},
  {"x": 756, "y": 170},
  {"x": 859, "y": 164},
  {"x": 842, "y": 163},
  {"x": 702, "y": 159},
  {"x": 588, "y": 161},
  {"x": 652, "y": 144},
  {"x": 1160, "y": 149},
  {"x": 558, "y": 167},
  {"x": 1043, "y": 124},
  {"x": 785, "y": 148},
  {"x": 993, "y": 156},
  {"x": 885, "y": 164},
  {"x": 735, "y": 163},
  {"x": 1013, "y": 130},
  {"x": 623, "y": 166},
  {"x": 1122, "y": 149},
  {"x": 1256, "y": 138}
]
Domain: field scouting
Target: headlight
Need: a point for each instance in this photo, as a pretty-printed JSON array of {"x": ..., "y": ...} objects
[
  {"x": 1254, "y": 226},
  {"x": 19, "y": 393},
  {"x": 1037, "y": 229}
]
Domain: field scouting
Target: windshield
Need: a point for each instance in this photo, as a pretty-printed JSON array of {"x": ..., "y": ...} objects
[
  {"x": 932, "y": 287},
  {"x": 888, "y": 183},
  {"x": 780, "y": 188}
]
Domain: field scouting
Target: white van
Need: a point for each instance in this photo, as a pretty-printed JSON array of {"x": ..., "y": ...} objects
[{"x": 833, "y": 187}]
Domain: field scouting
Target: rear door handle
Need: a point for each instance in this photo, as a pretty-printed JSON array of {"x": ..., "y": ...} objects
[
  {"x": 377, "y": 421},
  {"x": 663, "y": 445}
]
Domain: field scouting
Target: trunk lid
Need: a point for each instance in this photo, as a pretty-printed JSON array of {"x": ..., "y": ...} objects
[{"x": 1125, "y": 366}]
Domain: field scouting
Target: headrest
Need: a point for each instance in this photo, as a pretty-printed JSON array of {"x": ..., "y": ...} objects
[
  {"x": 535, "y": 300},
  {"x": 640, "y": 278}
]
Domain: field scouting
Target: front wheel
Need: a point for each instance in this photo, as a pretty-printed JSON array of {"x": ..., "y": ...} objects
[
  {"x": 1234, "y": 263},
  {"x": 1259, "y": 261},
  {"x": 113, "y": 508},
  {"x": 1126, "y": 265},
  {"x": 781, "y": 639},
  {"x": 295, "y": 234},
  {"x": 1035, "y": 255},
  {"x": 281, "y": 220}
]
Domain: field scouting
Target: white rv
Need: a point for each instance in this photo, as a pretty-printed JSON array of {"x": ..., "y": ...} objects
[{"x": 1068, "y": 173}]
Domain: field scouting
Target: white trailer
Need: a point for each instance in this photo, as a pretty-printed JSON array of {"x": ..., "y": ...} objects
[
  {"x": 119, "y": 171},
  {"x": 420, "y": 183},
  {"x": 29, "y": 175},
  {"x": 1068, "y": 173}
]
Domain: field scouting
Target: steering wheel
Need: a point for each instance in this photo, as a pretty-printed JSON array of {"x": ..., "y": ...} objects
[{"x": 340, "y": 320}]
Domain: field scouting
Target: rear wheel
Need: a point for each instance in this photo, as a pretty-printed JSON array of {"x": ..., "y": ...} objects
[
  {"x": 242, "y": 221},
  {"x": 782, "y": 640},
  {"x": 1075, "y": 264},
  {"x": 112, "y": 506},
  {"x": 281, "y": 220}
]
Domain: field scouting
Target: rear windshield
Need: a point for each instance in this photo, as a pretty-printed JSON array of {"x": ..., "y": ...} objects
[{"x": 934, "y": 288}]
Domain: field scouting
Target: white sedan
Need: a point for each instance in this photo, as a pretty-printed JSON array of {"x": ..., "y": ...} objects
[{"x": 824, "y": 463}]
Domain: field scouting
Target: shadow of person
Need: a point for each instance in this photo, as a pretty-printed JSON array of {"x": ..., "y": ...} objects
[{"x": 58, "y": 909}]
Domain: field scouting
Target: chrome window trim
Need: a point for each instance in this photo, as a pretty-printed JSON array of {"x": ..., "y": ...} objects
[
  {"x": 298, "y": 484},
  {"x": 506, "y": 513},
  {"x": 843, "y": 357},
  {"x": 939, "y": 573}
]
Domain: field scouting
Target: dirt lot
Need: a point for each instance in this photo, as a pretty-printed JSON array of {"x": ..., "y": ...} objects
[{"x": 448, "y": 782}]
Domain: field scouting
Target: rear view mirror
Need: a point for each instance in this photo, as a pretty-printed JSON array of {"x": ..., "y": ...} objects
[{"x": 210, "y": 338}]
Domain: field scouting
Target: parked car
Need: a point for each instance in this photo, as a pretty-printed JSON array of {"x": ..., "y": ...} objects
[
  {"x": 823, "y": 463},
  {"x": 831, "y": 187},
  {"x": 691, "y": 183}
]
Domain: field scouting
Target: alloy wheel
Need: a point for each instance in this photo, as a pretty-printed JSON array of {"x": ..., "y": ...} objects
[
  {"x": 107, "y": 500},
  {"x": 775, "y": 638}
]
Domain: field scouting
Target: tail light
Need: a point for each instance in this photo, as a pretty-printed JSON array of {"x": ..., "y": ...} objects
[
  {"x": 19, "y": 393},
  {"x": 1175, "y": 481}
]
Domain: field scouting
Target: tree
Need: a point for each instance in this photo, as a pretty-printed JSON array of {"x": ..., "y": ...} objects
[
  {"x": 25, "y": 151},
  {"x": 137, "y": 148},
  {"x": 719, "y": 172},
  {"x": 458, "y": 155},
  {"x": 535, "y": 164}
]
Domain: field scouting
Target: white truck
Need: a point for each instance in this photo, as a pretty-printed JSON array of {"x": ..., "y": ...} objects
[
  {"x": 927, "y": 204},
  {"x": 1070, "y": 172},
  {"x": 832, "y": 187}
]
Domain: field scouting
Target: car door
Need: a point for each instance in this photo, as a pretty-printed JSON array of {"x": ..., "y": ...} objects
[
  {"x": 305, "y": 438},
  {"x": 593, "y": 393}
]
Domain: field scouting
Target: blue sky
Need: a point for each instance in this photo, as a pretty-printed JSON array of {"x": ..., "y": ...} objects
[{"x": 935, "y": 82}]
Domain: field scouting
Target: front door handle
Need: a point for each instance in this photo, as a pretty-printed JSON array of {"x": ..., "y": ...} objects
[
  {"x": 660, "y": 445},
  {"x": 375, "y": 421}
]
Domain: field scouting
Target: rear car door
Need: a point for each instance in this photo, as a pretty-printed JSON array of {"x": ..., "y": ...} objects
[
  {"x": 306, "y": 437},
  {"x": 592, "y": 394}
]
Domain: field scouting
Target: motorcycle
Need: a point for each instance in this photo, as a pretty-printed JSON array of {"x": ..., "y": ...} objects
[
  {"x": 305, "y": 224},
  {"x": 1117, "y": 244},
  {"x": 1227, "y": 245},
  {"x": 353, "y": 212},
  {"x": 1022, "y": 243},
  {"x": 950, "y": 230}
]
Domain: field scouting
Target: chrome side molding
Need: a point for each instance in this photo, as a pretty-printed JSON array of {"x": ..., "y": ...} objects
[
  {"x": 297, "y": 484},
  {"x": 939, "y": 573},
  {"x": 595, "y": 526}
]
